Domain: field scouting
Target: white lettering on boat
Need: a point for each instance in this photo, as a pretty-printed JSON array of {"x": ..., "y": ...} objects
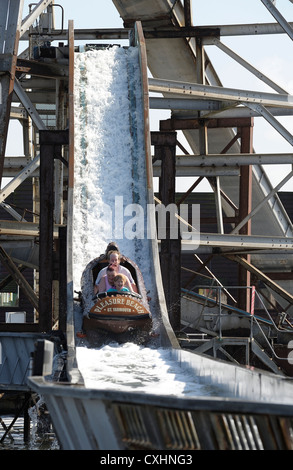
[{"x": 123, "y": 301}]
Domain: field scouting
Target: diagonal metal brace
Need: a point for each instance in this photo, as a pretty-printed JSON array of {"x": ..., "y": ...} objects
[{"x": 19, "y": 278}]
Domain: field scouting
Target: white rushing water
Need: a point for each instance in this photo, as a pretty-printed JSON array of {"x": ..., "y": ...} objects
[
  {"x": 109, "y": 156},
  {"x": 130, "y": 367},
  {"x": 110, "y": 164}
]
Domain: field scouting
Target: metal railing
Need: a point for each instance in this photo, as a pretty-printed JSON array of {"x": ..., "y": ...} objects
[
  {"x": 254, "y": 319},
  {"x": 137, "y": 421}
]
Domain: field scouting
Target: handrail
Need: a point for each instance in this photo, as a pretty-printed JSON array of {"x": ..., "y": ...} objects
[
  {"x": 240, "y": 312},
  {"x": 254, "y": 319},
  {"x": 261, "y": 330}
]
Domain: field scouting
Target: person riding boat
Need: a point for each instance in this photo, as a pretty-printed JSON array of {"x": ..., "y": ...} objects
[
  {"x": 107, "y": 282},
  {"x": 114, "y": 258},
  {"x": 119, "y": 284},
  {"x": 124, "y": 317}
]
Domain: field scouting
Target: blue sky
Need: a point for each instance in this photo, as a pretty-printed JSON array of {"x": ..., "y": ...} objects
[{"x": 270, "y": 54}]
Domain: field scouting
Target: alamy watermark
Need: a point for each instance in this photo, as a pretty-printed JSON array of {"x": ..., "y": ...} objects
[{"x": 152, "y": 221}]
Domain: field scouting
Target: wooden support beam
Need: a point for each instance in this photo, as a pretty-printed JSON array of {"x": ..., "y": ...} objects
[
  {"x": 41, "y": 69},
  {"x": 211, "y": 123},
  {"x": 50, "y": 148},
  {"x": 170, "y": 253},
  {"x": 24, "y": 230}
]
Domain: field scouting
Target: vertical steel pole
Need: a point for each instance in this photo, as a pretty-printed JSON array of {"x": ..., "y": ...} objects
[
  {"x": 46, "y": 231},
  {"x": 245, "y": 201}
]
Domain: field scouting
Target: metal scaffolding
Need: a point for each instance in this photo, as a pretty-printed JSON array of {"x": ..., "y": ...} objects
[
  {"x": 36, "y": 88},
  {"x": 217, "y": 122}
]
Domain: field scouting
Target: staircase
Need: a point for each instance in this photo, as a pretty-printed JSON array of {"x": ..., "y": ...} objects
[
  {"x": 218, "y": 344},
  {"x": 204, "y": 323}
]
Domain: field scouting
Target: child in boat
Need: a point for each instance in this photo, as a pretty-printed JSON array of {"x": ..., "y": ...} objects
[
  {"x": 114, "y": 258},
  {"x": 107, "y": 282},
  {"x": 119, "y": 284}
]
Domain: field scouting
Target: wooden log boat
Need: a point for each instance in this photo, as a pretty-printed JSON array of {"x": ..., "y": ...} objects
[{"x": 123, "y": 316}]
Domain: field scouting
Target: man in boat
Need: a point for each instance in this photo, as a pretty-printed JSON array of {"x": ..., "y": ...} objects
[
  {"x": 114, "y": 258},
  {"x": 107, "y": 282}
]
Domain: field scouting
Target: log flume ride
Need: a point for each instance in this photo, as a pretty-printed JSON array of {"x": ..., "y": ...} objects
[{"x": 119, "y": 316}]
